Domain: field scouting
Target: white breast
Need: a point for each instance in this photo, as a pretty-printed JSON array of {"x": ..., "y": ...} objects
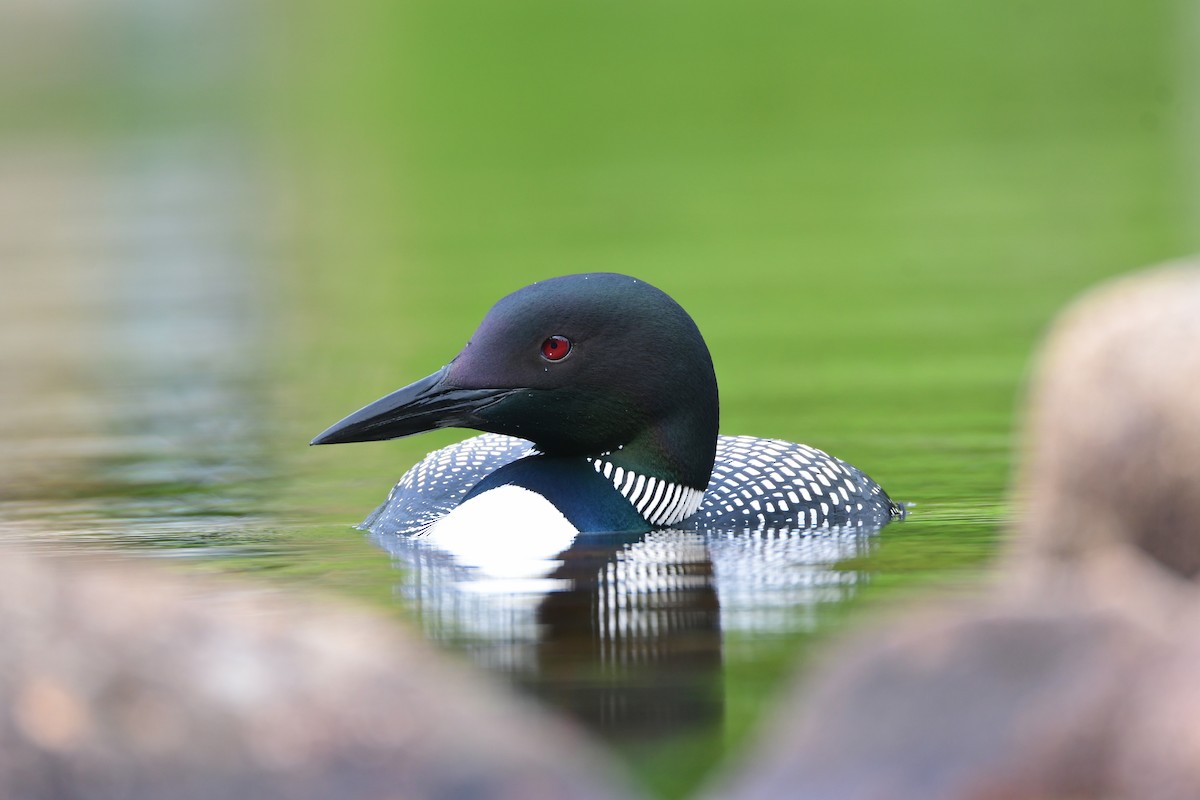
[{"x": 508, "y": 532}]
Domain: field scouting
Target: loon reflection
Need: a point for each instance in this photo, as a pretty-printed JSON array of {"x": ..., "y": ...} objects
[{"x": 625, "y": 632}]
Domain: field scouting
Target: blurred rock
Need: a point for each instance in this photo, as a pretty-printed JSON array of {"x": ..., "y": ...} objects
[
  {"x": 986, "y": 703},
  {"x": 1079, "y": 675},
  {"x": 1111, "y": 454},
  {"x": 1157, "y": 754},
  {"x": 121, "y": 682}
]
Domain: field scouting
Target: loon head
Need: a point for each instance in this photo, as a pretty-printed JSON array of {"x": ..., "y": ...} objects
[{"x": 597, "y": 365}]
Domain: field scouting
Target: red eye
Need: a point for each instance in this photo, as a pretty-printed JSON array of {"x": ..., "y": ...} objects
[{"x": 556, "y": 348}]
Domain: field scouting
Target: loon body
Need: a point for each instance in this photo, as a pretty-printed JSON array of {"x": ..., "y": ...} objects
[
  {"x": 599, "y": 400},
  {"x": 755, "y": 483}
]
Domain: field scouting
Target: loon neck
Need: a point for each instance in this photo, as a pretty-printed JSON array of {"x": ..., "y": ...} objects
[
  {"x": 680, "y": 446},
  {"x": 664, "y": 471},
  {"x": 657, "y": 500}
]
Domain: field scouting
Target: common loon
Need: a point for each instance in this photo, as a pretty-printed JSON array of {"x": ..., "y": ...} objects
[{"x": 599, "y": 399}]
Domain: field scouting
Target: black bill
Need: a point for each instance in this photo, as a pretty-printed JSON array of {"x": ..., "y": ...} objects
[{"x": 422, "y": 406}]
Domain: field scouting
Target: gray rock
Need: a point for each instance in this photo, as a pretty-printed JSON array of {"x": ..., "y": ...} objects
[
  {"x": 1157, "y": 754},
  {"x": 1111, "y": 452},
  {"x": 118, "y": 681},
  {"x": 982, "y": 703}
]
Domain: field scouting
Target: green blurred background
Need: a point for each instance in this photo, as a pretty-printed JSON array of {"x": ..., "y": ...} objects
[{"x": 872, "y": 210}]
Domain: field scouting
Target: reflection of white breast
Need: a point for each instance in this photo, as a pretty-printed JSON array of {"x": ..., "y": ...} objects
[{"x": 506, "y": 532}]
